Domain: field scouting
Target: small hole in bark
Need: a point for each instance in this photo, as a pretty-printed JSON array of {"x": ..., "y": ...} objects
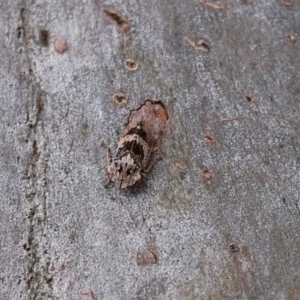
[
  {"x": 233, "y": 247},
  {"x": 20, "y": 31},
  {"x": 283, "y": 200},
  {"x": 210, "y": 138},
  {"x": 249, "y": 98},
  {"x": 200, "y": 45},
  {"x": 44, "y": 37},
  {"x": 131, "y": 65},
  {"x": 121, "y": 21},
  {"x": 120, "y": 98},
  {"x": 206, "y": 174},
  {"x": 291, "y": 37}
]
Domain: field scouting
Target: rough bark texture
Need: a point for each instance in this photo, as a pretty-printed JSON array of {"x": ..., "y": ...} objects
[{"x": 218, "y": 217}]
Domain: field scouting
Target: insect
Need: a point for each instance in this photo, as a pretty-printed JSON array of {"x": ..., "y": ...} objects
[{"x": 140, "y": 140}]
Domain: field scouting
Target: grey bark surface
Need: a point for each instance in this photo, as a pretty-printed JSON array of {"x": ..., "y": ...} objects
[{"x": 220, "y": 214}]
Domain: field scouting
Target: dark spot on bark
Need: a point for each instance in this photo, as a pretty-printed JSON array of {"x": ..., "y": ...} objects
[
  {"x": 210, "y": 138},
  {"x": 182, "y": 175},
  {"x": 200, "y": 45},
  {"x": 26, "y": 247},
  {"x": 22, "y": 11},
  {"x": 44, "y": 37},
  {"x": 249, "y": 98},
  {"x": 49, "y": 280},
  {"x": 206, "y": 174},
  {"x": 233, "y": 248},
  {"x": 20, "y": 32},
  {"x": 120, "y": 20}
]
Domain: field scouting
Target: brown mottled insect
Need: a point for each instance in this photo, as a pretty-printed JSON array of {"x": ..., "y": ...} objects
[{"x": 141, "y": 137}]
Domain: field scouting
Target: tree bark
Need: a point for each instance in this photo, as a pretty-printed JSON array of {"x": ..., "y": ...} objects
[{"x": 218, "y": 217}]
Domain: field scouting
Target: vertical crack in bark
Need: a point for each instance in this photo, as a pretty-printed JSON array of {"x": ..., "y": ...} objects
[{"x": 38, "y": 277}]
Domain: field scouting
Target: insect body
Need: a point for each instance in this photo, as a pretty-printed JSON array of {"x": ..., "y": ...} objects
[
  {"x": 141, "y": 136},
  {"x": 131, "y": 158}
]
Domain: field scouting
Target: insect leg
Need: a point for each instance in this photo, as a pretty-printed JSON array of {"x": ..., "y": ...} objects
[{"x": 156, "y": 159}]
